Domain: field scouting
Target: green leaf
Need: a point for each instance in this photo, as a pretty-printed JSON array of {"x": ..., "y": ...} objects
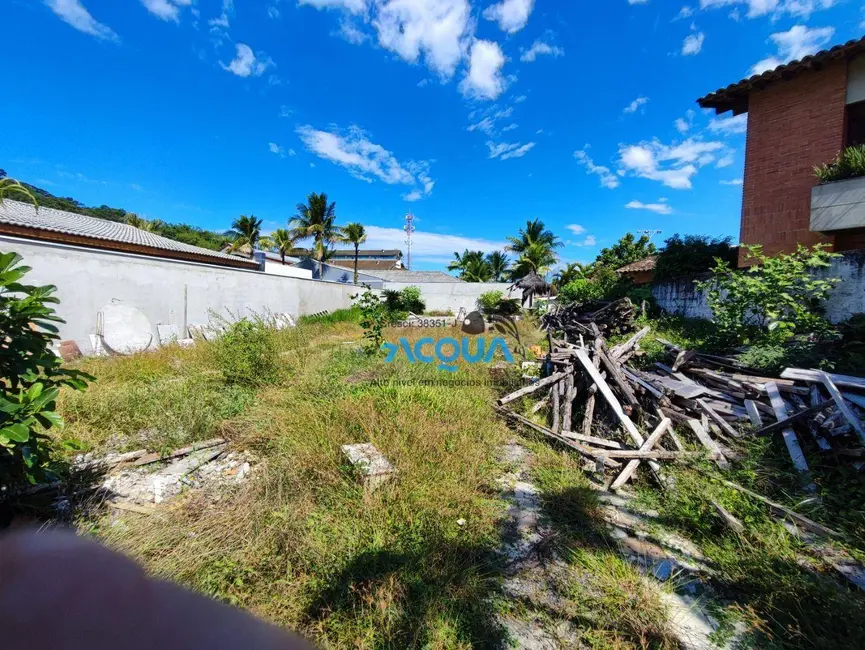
[
  {"x": 53, "y": 419},
  {"x": 17, "y": 432}
]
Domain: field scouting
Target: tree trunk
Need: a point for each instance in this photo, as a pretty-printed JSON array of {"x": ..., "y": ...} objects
[{"x": 356, "y": 255}]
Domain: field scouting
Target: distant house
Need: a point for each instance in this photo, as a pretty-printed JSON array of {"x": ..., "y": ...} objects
[
  {"x": 367, "y": 259},
  {"x": 23, "y": 220},
  {"x": 800, "y": 115},
  {"x": 641, "y": 271}
]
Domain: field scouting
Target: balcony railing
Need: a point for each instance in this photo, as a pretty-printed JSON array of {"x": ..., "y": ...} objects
[{"x": 838, "y": 206}]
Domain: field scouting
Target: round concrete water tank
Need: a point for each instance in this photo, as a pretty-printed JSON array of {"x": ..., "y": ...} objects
[{"x": 124, "y": 328}]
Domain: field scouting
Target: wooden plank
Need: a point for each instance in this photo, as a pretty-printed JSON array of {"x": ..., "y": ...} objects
[
  {"x": 528, "y": 390},
  {"x": 801, "y": 415},
  {"x": 177, "y": 453},
  {"x": 814, "y": 376},
  {"x": 623, "y": 348},
  {"x": 688, "y": 390},
  {"x": 706, "y": 440},
  {"x": 783, "y": 511},
  {"x": 843, "y": 406},
  {"x": 537, "y": 407},
  {"x": 717, "y": 419},
  {"x": 593, "y": 440},
  {"x": 653, "y": 455},
  {"x": 555, "y": 404},
  {"x": 790, "y": 438},
  {"x": 729, "y": 520},
  {"x": 582, "y": 449},
  {"x": 753, "y": 413},
  {"x": 682, "y": 359},
  {"x": 631, "y": 467},
  {"x": 643, "y": 384},
  {"x": 618, "y": 379},
  {"x": 858, "y": 400},
  {"x": 608, "y": 394}
]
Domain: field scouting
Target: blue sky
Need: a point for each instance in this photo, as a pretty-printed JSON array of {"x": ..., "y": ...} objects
[{"x": 474, "y": 115}]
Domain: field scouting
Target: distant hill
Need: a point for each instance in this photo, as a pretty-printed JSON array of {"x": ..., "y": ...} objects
[{"x": 178, "y": 231}]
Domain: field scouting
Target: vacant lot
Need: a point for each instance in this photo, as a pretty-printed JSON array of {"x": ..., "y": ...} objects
[{"x": 416, "y": 563}]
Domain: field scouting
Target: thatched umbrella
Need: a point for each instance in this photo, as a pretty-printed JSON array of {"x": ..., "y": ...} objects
[{"x": 531, "y": 284}]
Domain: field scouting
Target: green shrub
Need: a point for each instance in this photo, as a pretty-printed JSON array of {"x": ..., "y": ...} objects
[
  {"x": 411, "y": 300},
  {"x": 494, "y": 303},
  {"x": 30, "y": 375},
  {"x": 374, "y": 317},
  {"x": 247, "y": 353},
  {"x": 691, "y": 255},
  {"x": 773, "y": 300},
  {"x": 351, "y": 315},
  {"x": 849, "y": 163},
  {"x": 770, "y": 357},
  {"x": 581, "y": 292}
]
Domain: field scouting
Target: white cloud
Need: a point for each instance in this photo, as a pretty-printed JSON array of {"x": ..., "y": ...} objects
[
  {"x": 692, "y": 44},
  {"x": 777, "y": 8},
  {"x": 221, "y": 22},
  {"x": 74, "y": 13},
  {"x": 685, "y": 12},
  {"x": 366, "y": 160},
  {"x": 350, "y": 32},
  {"x": 441, "y": 30},
  {"x": 684, "y": 124},
  {"x": 354, "y": 6},
  {"x": 486, "y": 125},
  {"x": 735, "y": 181},
  {"x": 506, "y": 150},
  {"x": 510, "y": 127},
  {"x": 576, "y": 228},
  {"x": 729, "y": 125},
  {"x": 634, "y": 105},
  {"x": 539, "y": 48},
  {"x": 590, "y": 240},
  {"x": 247, "y": 63},
  {"x": 276, "y": 149},
  {"x": 164, "y": 9},
  {"x": 428, "y": 246},
  {"x": 637, "y": 2},
  {"x": 511, "y": 15},
  {"x": 673, "y": 165},
  {"x": 794, "y": 44},
  {"x": 608, "y": 178},
  {"x": 484, "y": 78},
  {"x": 726, "y": 160},
  {"x": 660, "y": 208},
  {"x": 520, "y": 99},
  {"x": 272, "y": 11}
]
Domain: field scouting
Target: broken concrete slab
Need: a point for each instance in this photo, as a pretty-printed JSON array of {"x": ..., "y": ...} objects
[{"x": 374, "y": 468}]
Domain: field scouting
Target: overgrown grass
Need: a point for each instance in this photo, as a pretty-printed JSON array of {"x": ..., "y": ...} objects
[{"x": 351, "y": 315}]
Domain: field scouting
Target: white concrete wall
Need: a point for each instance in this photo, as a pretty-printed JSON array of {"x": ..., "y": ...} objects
[
  {"x": 681, "y": 297},
  {"x": 168, "y": 292},
  {"x": 286, "y": 271},
  {"x": 441, "y": 296}
]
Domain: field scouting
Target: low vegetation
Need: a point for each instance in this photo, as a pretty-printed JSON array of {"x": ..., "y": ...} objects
[{"x": 849, "y": 163}]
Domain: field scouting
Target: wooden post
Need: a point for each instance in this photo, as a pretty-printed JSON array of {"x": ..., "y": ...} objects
[
  {"x": 790, "y": 438},
  {"x": 631, "y": 467}
]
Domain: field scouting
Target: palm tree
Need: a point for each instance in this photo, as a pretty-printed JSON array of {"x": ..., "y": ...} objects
[
  {"x": 11, "y": 186},
  {"x": 498, "y": 263},
  {"x": 246, "y": 232},
  {"x": 281, "y": 241},
  {"x": 571, "y": 272},
  {"x": 536, "y": 258},
  {"x": 315, "y": 219},
  {"x": 535, "y": 232},
  {"x": 321, "y": 252},
  {"x": 472, "y": 266},
  {"x": 146, "y": 225},
  {"x": 355, "y": 234}
]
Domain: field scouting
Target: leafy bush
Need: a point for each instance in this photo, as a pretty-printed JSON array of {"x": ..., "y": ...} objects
[
  {"x": 581, "y": 292},
  {"x": 773, "y": 300},
  {"x": 374, "y": 317},
  {"x": 411, "y": 300},
  {"x": 247, "y": 353},
  {"x": 30, "y": 375},
  {"x": 692, "y": 254},
  {"x": 849, "y": 163},
  {"x": 351, "y": 315},
  {"x": 494, "y": 303}
]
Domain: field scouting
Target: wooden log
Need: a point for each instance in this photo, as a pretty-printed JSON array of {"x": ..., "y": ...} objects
[
  {"x": 650, "y": 442},
  {"x": 592, "y": 440},
  {"x": 582, "y": 449},
  {"x": 706, "y": 440},
  {"x": 790, "y": 438},
  {"x": 729, "y": 520},
  {"x": 801, "y": 415},
  {"x": 783, "y": 511},
  {"x": 608, "y": 395},
  {"x": 653, "y": 455},
  {"x": 618, "y": 379},
  {"x": 555, "y": 404},
  {"x": 568, "y": 399},
  {"x": 528, "y": 390},
  {"x": 541, "y": 404},
  {"x": 753, "y": 413},
  {"x": 589, "y": 414},
  {"x": 843, "y": 406},
  {"x": 682, "y": 359},
  {"x": 623, "y": 348},
  {"x": 717, "y": 419}
]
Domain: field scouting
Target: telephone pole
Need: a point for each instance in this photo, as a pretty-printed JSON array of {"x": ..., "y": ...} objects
[{"x": 409, "y": 229}]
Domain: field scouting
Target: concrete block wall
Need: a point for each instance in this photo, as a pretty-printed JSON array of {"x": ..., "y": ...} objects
[
  {"x": 792, "y": 126},
  {"x": 441, "y": 296},
  {"x": 168, "y": 292},
  {"x": 681, "y": 297}
]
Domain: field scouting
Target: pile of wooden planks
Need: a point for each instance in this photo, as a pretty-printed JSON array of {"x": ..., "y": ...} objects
[
  {"x": 619, "y": 416},
  {"x": 571, "y": 321}
]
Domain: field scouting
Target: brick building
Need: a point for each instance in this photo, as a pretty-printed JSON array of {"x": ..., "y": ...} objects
[{"x": 800, "y": 115}]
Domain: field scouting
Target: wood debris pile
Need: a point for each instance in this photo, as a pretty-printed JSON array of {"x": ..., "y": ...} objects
[
  {"x": 618, "y": 416},
  {"x": 610, "y": 318}
]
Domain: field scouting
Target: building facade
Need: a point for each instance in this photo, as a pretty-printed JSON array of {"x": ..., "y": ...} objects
[{"x": 800, "y": 115}]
